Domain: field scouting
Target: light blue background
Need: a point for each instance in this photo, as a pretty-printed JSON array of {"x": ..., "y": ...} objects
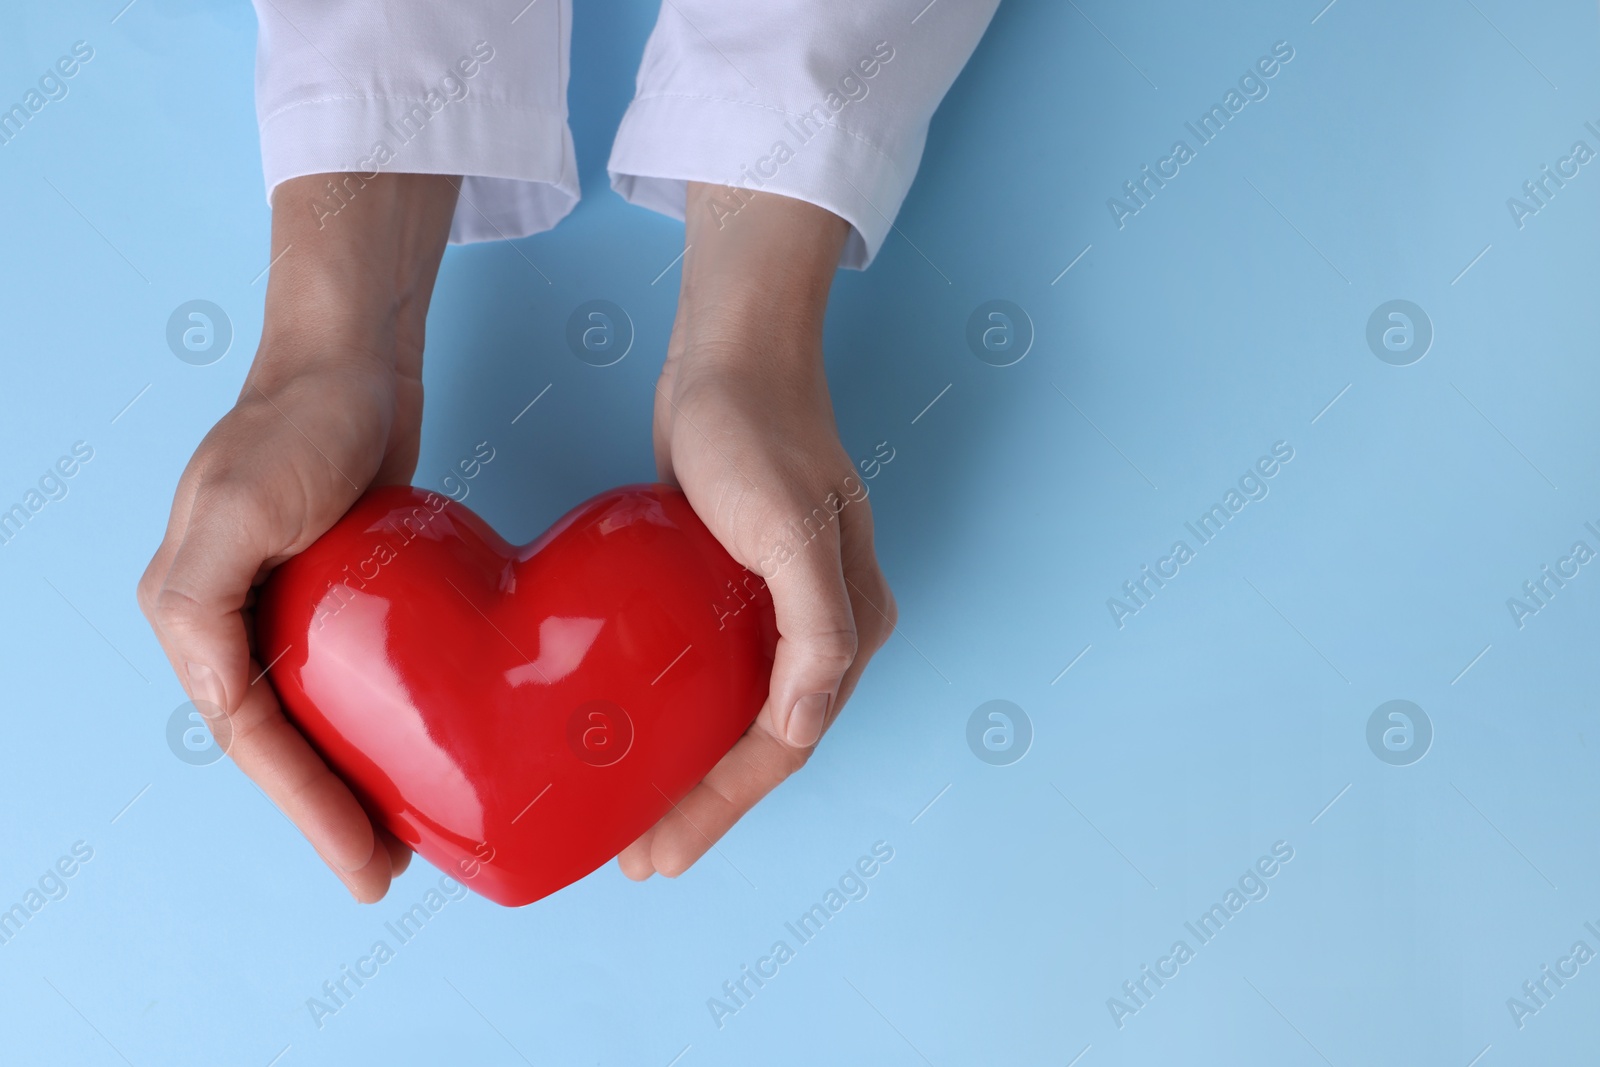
[{"x": 1222, "y": 718}]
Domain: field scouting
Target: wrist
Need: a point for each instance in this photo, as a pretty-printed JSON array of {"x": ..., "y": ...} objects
[
  {"x": 762, "y": 273},
  {"x": 354, "y": 263}
]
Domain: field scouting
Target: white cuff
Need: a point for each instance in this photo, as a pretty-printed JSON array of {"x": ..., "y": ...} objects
[
  {"x": 666, "y": 141},
  {"x": 520, "y": 177},
  {"x": 423, "y": 88},
  {"x": 826, "y": 101}
]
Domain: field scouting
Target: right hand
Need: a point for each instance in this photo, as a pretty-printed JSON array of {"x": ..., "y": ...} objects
[{"x": 332, "y": 405}]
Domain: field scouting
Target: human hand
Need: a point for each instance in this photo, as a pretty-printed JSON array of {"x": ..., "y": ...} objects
[
  {"x": 743, "y": 423},
  {"x": 331, "y": 405}
]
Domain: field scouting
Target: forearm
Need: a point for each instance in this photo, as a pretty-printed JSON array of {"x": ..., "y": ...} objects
[
  {"x": 766, "y": 269},
  {"x": 358, "y": 279}
]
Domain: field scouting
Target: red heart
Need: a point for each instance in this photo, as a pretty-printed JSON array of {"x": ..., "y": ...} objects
[{"x": 518, "y": 715}]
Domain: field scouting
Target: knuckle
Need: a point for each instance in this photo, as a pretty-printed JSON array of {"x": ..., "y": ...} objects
[
  {"x": 173, "y": 609},
  {"x": 231, "y": 515},
  {"x": 305, "y": 792},
  {"x": 834, "y": 650},
  {"x": 225, "y": 500},
  {"x": 145, "y": 592},
  {"x": 792, "y": 759},
  {"x": 891, "y": 616},
  {"x": 878, "y": 612}
]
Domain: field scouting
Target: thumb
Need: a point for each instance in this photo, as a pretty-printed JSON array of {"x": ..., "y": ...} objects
[
  {"x": 816, "y": 635},
  {"x": 198, "y": 604}
]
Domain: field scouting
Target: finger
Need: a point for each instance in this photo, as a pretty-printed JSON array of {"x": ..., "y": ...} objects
[
  {"x": 197, "y": 616},
  {"x": 754, "y": 767},
  {"x": 871, "y": 601},
  {"x": 370, "y": 884},
  {"x": 758, "y": 764},
  {"x": 817, "y": 637},
  {"x": 273, "y": 754},
  {"x": 750, "y": 771},
  {"x": 177, "y": 518},
  {"x": 196, "y": 607},
  {"x": 399, "y": 852},
  {"x": 635, "y": 859}
]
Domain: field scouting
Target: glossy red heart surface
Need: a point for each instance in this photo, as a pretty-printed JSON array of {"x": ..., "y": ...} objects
[{"x": 518, "y": 715}]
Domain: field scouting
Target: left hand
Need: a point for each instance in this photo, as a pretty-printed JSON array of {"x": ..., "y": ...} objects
[{"x": 744, "y": 425}]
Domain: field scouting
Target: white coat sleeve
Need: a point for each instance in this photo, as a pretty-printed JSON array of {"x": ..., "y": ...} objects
[
  {"x": 826, "y": 101},
  {"x": 468, "y": 87}
]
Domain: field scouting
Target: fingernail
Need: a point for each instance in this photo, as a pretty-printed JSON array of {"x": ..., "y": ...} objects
[
  {"x": 205, "y": 685},
  {"x": 805, "y": 721}
]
